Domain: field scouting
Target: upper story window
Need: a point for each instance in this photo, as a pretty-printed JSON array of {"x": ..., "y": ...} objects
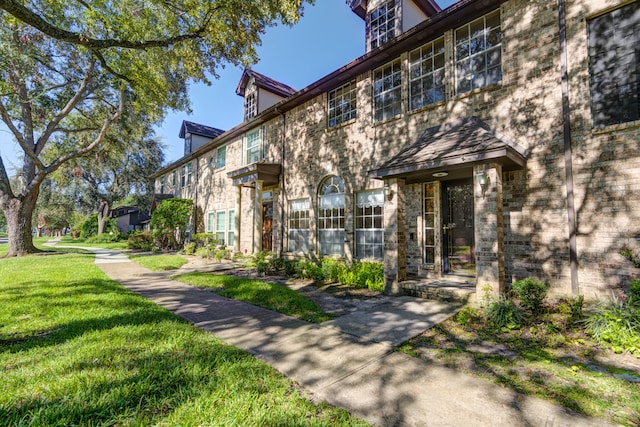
[
  {"x": 221, "y": 157},
  {"x": 187, "y": 172},
  {"x": 253, "y": 147},
  {"x": 250, "y": 105},
  {"x": 478, "y": 53},
  {"x": 387, "y": 91},
  {"x": 614, "y": 66},
  {"x": 162, "y": 184},
  {"x": 426, "y": 85},
  {"x": 382, "y": 24},
  {"x": 174, "y": 178},
  {"x": 342, "y": 104}
]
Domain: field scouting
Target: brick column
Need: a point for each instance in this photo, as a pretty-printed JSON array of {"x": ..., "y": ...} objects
[
  {"x": 257, "y": 217},
  {"x": 238, "y": 213},
  {"x": 489, "y": 229},
  {"x": 395, "y": 244}
]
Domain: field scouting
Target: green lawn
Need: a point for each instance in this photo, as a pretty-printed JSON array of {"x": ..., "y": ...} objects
[
  {"x": 258, "y": 292},
  {"x": 69, "y": 241},
  {"x": 159, "y": 262},
  {"x": 78, "y": 349}
]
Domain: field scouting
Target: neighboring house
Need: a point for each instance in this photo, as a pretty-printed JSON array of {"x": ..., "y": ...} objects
[
  {"x": 130, "y": 218},
  {"x": 493, "y": 140}
]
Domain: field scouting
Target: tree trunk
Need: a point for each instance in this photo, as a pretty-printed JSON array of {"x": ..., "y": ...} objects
[
  {"x": 103, "y": 214},
  {"x": 18, "y": 214}
]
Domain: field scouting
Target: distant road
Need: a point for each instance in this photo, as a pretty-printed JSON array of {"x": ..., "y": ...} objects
[{"x": 3, "y": 240}]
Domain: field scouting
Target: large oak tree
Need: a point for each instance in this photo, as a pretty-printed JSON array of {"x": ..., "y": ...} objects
[{"x": 69, "y": 68}]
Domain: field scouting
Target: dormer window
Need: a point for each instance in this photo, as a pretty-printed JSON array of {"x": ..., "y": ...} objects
[
  {"x": 382, "y": 24},
  {"x": 250, "y": 106}
]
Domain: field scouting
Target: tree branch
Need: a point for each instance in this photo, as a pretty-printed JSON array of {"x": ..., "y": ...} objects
[{"x": 18, "y": 10}]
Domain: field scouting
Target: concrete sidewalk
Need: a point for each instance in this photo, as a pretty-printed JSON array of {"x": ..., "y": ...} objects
[{"x": 340, "y": 363}]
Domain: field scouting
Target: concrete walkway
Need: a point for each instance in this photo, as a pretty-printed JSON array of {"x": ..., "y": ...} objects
[{"x": 349, "y": 362}]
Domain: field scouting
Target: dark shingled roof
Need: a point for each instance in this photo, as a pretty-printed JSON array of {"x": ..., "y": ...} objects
[
  {"x": 429, "y": 7},
  {"x": 198, "y": 129},
  {"x": 453, "y": 145},
  {"x": 264, "y": 82}
]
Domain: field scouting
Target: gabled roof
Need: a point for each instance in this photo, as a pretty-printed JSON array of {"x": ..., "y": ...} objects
[
  {"x": 198, "y": 129},
  {"x": 263, "y": 82},
  {"x": 453, "y": 145},
  {"x": 429, "y": 7}
]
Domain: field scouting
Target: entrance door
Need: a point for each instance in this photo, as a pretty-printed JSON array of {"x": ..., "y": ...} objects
[
  {"x": 457, "y": 231},
  {"x": 267, "y": 226}
]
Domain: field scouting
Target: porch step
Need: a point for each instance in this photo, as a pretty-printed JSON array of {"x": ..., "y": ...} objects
[{"x": 439, "y": 289}]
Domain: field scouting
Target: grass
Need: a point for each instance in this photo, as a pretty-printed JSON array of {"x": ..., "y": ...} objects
[
  {"x": 159, "y": 262},
  {"x": 69, "y": 241},
  {"x": 537, "y": 360},
  {"x": 258, "y": 292},
  {"x": 78, "y": 349}
]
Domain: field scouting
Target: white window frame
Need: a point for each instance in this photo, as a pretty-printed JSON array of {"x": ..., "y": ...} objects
[
  {"x": 478, "y": 53},
  {"x": 427, "y": 74},
  {"x": 298, "y": 230},
  {"x": 221, "y": 227},
  {"x": 221, "y": 159},
  {"x": 382, "y": 24},
  {"x": 256, "y": 149},
  {"x": 387, "y": 91},
  {"x": 251, "y": 105},
  {"x": 162, "y": 184},
  {"x": 342, "y": 104},
  {"x": 429, "y": 208},
  {"x": 211, "y": 216},
  {"x": 331, "y": 217},
  {"x": 231, "y": 227},
  {"x": 369, "y": 224}
]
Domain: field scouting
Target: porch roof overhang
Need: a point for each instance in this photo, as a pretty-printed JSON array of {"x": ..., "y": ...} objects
[
  {"x": 452, "y": 147},
  {"x": 269, "y": 173}
]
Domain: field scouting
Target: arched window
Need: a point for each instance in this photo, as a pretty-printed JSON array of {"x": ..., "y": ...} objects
[{"x": 331, "y": 216}]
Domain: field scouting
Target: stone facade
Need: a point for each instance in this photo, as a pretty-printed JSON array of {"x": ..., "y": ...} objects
[{"x": 522, "y": 213}]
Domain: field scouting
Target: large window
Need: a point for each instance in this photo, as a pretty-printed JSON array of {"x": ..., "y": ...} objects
[
  {"x": 331, "y": 217},
  {"x": 221, "y": 157},
  {"x": 382, "y": 24},
  {"x": 387, "y": 91},
  {"x": 342, "y": 104},
  {"x": 174, "y": 175},
  {"x": 614, "y": 65},
  {"x": 162, "y": 184},
  {"x": 221, "y": 227},
  {"x": 250, "y": 105},
  {"x": 253, "y": 147},
  {"x": 211, "y": 217},
  {"x": 426, "y": 85},
  {"x": 231, "y": 229},
  {"x": 479, "y": 53},
  {"x": 299, "y": 226},
  {"x": 186, "y": 176},
  {"x": 430, "y": 223},
  {"x": 369, "y": 228}
]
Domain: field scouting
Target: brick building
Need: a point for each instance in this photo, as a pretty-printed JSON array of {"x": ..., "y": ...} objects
[{"x": 490, "y": 141}]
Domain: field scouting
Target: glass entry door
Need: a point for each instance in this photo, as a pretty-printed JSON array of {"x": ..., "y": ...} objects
[{"x": 457, "y": 228}]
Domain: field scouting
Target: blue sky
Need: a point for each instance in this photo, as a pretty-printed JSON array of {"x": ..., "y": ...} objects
[{"x": 327, "y": 37}]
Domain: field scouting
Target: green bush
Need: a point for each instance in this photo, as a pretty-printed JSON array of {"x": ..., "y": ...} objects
[
  {"x": 204, "y": 239},
  {"x": 206, "y": 252},
  {"x": 363, "y": 274},
  {"x": 190, "y": 248},
  {"x": 634, "y": 292},
  {"x": 332, "y": 268},
  {"x": 113, "y": 236},
  {"x": 308, "y": 269},
  {"x": 221, "y": 254},
  {"x": 289, "y": 267},
  {"x": 616, "y": 325},
  {"x": 504, "y": 313},
  {"x": 531, "y": 293},
  {"x": 572, "y": 309},
  {"x": 467, "y": 315},
  {"x": 275, "y": 264},
  {"x": 89, "y": 228},
  {"x": 140, "y": 241},
  {"x": 262, "y": 267}
]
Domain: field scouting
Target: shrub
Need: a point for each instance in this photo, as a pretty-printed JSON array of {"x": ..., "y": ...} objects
[
  {"x": 363, "y": 274},
  {"x": 204, "y": 239},
  {"x": 308, "y": 269},
  {"x": 634, "y": 293},
  {"x": 275, "y": 264},
  {"x": 262, "y": 267},
  {"x": 290, "y": 267},
  {"x": 504, "y": 313},
  {"x": 531, "y": 293},
  {"x": 140, "y": 241},
  {"x": 467, "y": 315},
  {"x": 190, "y": 248},
  {"x": 219, "y": 255},
  {"x": 206, "y": 252},
  {"x": 332, "y": 268},
  {"x": 104, "y": 238},
  {"x": 572, "y": 309},
  {"x": 616, "y": 325}
]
